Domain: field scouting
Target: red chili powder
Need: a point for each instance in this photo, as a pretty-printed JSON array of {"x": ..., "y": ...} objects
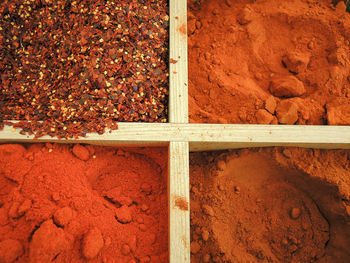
[
  {"x": 270, "y": 205},
  {"x": 76, "y": 203},
  {"x": 269, "y": 62}
]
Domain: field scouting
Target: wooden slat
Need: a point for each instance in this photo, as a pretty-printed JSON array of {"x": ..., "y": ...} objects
[
  {"x": 209, "y": 133},
  {"x": 179, "y": 219},
  {"x": 178, "y": 91},
  {"x": 179, "y": 198},
  {"x": 216, "y": 146}
]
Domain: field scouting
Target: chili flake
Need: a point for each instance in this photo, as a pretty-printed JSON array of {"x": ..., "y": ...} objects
[
  {"x": 173, "y": 61},
  {"x": 73, "y": 67}
]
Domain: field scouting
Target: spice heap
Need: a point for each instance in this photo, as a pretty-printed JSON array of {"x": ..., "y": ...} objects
[
  {"x": 270, "y": 205},
  {"x": 269, "y": 62},
  {"x": 74, "y": 204},
  {"x": 72, "y": 67}
]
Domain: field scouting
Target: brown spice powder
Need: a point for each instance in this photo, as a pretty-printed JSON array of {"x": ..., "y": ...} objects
[
  {"x": 269, "y": 62},
  {"x": 270, "y": 205}
]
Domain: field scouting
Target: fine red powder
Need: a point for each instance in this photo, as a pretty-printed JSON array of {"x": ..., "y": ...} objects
[
  {"x": 269, "y": 62},
  {"x": 270, "y": 205},
  {"x": 67, "y": 203}
]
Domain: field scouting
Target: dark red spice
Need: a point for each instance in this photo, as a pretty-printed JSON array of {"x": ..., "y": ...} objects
[{"x": 73, "y": 67}]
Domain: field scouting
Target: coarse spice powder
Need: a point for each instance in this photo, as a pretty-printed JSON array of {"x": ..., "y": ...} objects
[
  {"x": 269, "y": 62},
  {"x": 270, "y": 205},
  {"x": 72, "y": 67}
]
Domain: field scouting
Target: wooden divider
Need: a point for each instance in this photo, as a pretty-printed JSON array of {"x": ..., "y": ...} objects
[
  {"x": 178, "y": 91},
  {"x": 207, "y": 136},
  {"x": 179, "y": 182},
  {"x": 179, "y": 196}
]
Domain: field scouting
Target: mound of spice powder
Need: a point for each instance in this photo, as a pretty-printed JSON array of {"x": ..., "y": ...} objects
[
  {"x": 72, "y": 67},
  {"x": 63, "y": 203},
  {"x": 270, "y": 205},
  {"x": 269, "y": 62}
]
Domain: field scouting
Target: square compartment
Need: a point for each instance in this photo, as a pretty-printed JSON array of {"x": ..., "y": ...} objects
[
  {"x": 73, "y": 203},
  {"x": 266, "y": 62},
  {"x": 273, "y": 204}
]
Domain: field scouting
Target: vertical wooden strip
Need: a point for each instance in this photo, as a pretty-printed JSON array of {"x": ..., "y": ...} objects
[
  {"x": 179, "y": 200},
  {"x": 179, "y": 215},
  {"x": 178, "y": 75}
]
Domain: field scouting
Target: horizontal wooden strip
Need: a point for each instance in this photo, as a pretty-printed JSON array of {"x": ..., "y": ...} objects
[
  {"x": 216, "y": 146},
  {"x": 234, "y": 133}
]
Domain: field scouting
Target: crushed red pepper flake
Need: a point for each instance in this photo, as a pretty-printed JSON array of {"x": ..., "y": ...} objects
[
  {"x": 173, "y": 61},
  {"x": 73, "y": 67}
]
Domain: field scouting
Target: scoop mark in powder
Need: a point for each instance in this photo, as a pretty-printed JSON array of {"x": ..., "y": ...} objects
[{"x": 181, "y": 203}]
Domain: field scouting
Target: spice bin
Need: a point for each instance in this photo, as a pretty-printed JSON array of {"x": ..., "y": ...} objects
[{"x": 182, "y": 137}]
